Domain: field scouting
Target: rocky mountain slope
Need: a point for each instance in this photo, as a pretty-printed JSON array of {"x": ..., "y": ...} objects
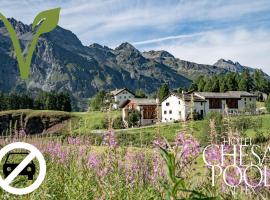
[{"x": 60, "y": 62}]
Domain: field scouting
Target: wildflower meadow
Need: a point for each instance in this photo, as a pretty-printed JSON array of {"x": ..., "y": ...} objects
[{"x": 77, "y": 168}]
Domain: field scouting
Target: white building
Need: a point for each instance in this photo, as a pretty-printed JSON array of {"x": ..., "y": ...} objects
[
  {"x": 179, "y": 106},
  {"x": 120, "y": 96},
  {"x": 236, "y": 101}
]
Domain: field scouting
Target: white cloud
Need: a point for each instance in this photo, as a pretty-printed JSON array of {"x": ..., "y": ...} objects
[
  {"x": 173, "y": 37},
  {"x": 103, "y": 18},
  {"x": 249, "y": 48},
  {"x": 109, "y": 21}
]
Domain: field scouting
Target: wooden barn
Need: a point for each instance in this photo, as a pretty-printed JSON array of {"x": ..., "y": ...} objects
[{"x": 147, "y": 107}]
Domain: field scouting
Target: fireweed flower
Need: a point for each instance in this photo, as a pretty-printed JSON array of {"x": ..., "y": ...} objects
[
  {"x": 160, "y": 143},
  {"x": 213, "y": 155},
  {"x": 158, "y": 168},
  {"x": 93, "y": 161},
  {"x": 109, "y": 139},
  {"x": 186, "y": 147},
  {"x": 58, "y": 153},
  {"x": 74, "y": 141},
  {"x": 82, "y": 151},
  {"x": 133, "y": 165}
]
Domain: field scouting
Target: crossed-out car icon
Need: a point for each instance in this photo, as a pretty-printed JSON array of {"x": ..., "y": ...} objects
[{"x": 28, "y": 171}]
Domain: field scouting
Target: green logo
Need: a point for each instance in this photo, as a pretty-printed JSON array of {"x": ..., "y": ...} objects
[{"x": 45, "y": 22}]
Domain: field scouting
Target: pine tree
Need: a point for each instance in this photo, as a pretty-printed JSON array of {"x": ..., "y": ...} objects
[
  {"x": 201, "y": 84},
  {"x": 246, "y": 82},
  {"x": 140, "y": 93},
  {"x": 163, "y": 91}
]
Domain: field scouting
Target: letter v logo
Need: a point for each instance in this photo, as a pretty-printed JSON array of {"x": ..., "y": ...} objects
[{"x": 45, "y": 22}]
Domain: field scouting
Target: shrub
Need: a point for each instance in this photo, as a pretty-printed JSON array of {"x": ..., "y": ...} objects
[
  {"x": 244, "y": 123},
  {"x": 118, "y": 123},
  {"x": 267, "y": 104},
  {"x": 133, "y": 118}
]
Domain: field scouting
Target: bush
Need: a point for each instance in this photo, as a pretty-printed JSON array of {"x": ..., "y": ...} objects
[
  {"x": 244, "y": 123},
  {"x": 219, "y": 127},
  {"x": 267, "y": 104},
  {"x": 133, "y": 118},
  {"x": 118, "y": 123}
]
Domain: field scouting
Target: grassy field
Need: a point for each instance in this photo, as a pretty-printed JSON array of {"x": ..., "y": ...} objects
[
  {"x": 82, "y": 164},
  {"x": 91, "y": 124}
]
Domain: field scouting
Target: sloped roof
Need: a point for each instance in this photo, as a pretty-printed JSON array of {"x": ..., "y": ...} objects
[
  {"x": 221, "y": 95},
  {"x": 117, "y": 91},
  {"x": 241, "y": 93},
  {"x": 144, "y": 101},
  {"x": 186, "y": 96},
  {"x": 140, "y": 101}
]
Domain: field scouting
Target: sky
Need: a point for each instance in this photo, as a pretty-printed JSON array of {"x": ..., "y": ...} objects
[{"x": 201, "y": 31}]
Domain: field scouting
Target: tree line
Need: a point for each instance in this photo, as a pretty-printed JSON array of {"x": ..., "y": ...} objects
[
  {"x": 233, "y": 82},
  {"x": 42, "y": 101}
]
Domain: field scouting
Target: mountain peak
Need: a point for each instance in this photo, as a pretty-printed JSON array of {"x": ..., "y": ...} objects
[
  {"x": 95, "y": 45},
  {"x": 229, "y": 65},
  {"x": 222, "y": 61},
  {"x": 125, "y": 46},
  {"x": 19, "y": 26},
  {"x": 158, "y": 54}
]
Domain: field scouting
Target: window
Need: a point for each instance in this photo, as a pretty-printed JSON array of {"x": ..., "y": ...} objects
[
  {"x": 130, "y": 97},
  {"x": 250, "y": 99},
  {"x": 232, "y": 103},
  {"x": 180, "y": 113},
  {"x": 170, "y": 118},
  {"x": 179, "y": 102},
  {"x": 165, "y": 112},
  {"x": 125, "y": 97},
  {"x": 167, "y": 104},
  {"x": 120, "y": 97},
  {"x": 215, "y": 104},
  {"x": 170, "y": 112},
  {"x": 201, "y": 103}
]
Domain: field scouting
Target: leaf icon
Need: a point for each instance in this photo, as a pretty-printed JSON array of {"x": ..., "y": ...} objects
[{"x": 48, "y": 20}]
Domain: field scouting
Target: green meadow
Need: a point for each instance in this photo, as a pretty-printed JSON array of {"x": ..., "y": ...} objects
[{"x": 85, "y": 162}]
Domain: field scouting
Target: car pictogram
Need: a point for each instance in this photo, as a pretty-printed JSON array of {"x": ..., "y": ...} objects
[{"x": 8, "y": 166}]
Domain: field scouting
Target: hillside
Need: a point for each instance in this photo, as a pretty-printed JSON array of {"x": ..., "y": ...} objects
[
  {"x": 61, "y": 62},
  {"x": 33, "y": 121}
]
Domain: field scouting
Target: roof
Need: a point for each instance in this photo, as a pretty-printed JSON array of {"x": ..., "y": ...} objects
[
  {"x": 140, "y": 101},
  {"x": 117, "y": 91},
  {"x": 186, "y": 96},
  {"x": 242, "y": 93},
  {"x": 221, "y": 95}
]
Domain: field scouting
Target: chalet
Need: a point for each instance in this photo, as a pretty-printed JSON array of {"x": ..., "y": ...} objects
[
  {"x": 178, "y": 107},
  {"x": 147, "y": 108},
  {"x": 236, "y": 101},
  {"x": 120, "y": 96}
]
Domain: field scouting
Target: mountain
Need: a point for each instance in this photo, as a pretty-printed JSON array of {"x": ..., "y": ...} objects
[{"x": 61, "y": 62}]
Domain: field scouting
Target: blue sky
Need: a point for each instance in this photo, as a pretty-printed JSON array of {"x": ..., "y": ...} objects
[{"x": 200, "y": 30}]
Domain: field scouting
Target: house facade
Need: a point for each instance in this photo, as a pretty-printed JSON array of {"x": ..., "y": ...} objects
[
  {"x": 146, "y": 107},
  {"x": 179, "y": 106},
  {"x": 120, "y": 96},
  {"x": 236, "y": 101}
]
